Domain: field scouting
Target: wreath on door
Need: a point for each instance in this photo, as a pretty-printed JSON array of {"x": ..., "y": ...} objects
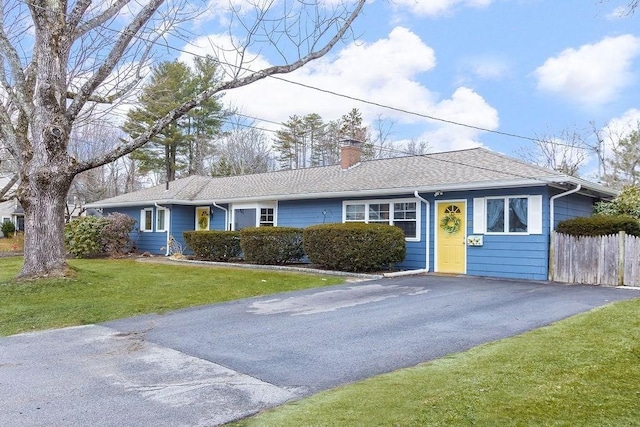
[{"x": 450, "y": 223}]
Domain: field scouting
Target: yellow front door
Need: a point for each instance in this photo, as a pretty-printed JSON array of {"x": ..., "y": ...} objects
[{"x": 451, "y": 237}]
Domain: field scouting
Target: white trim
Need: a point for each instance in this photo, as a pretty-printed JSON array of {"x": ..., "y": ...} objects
[
  {"x": 436, "y": 234},
  {"x": 426, "y": 234},
  {"x": 257, "y": 206},
  {"x": 479, "y": 216},
  {"x": 534, "y": 219},
  {"x": 165, "y": 225},
  {"x": 391, "y": 212},
  {"x": 143, "y": 220}
]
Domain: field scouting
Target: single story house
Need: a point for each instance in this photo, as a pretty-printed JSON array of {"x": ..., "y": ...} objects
[{"x": 472, "y": 211}]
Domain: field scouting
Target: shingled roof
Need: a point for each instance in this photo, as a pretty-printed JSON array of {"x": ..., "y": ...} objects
[{"x": 470, "y": 169}]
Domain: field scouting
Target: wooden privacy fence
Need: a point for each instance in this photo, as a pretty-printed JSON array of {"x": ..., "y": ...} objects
[{"x": 611, "y": 260}]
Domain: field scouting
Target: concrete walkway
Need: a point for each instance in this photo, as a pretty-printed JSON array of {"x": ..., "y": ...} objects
[{"x": 210, "y": 365}]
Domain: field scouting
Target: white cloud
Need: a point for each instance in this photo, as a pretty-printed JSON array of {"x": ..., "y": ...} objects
[
  {"x": 465, "y": 107},
  {"x": 437, "y": 7},
  {"x": 383, "y": 72},
  {"x": 593, "y": 74}
]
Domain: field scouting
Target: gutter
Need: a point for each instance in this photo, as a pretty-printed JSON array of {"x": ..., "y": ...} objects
[
  {"x": 168, "y": 226},
  {"x": 552, "y": 204},
  {"x": 426, "y": 232},
  {"x": 226, "y": 215}
]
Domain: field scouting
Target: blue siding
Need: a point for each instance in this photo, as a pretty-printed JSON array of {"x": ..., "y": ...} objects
[
  {"x": 509, "y": 256},
  {"x": 147, "y": 241},
  {"x": 303, "y": 213},
  {"x": 572, "y": 206}
]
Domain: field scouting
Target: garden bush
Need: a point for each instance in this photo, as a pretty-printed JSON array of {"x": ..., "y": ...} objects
[
  {"x": 271, "y": 245},
  {"x": 92, "y": 236},
  {"x": 82, "y": 236},
  {"x": 214, "y": 245},
  {"x": 8, "y": 228},
  {"x": 599, "y": 225},
  {"x": 116, "y": 234},
  {"x": 354, "y": 246}
]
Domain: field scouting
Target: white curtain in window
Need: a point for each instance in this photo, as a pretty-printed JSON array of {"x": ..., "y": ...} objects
[
  {"x": 519, "y": 207},
  {"x": 495, "y": 212}
]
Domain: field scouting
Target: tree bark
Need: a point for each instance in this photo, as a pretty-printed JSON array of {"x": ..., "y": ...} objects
[{"x": 44, "y": 212}]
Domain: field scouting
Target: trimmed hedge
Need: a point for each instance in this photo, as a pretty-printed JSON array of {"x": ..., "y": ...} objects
[
  {"x": 271, "y": 245},
  {"x": 214, "y": 245},
  {"x": 599, "y": 225},
  {"x": 354, "y": 246}
]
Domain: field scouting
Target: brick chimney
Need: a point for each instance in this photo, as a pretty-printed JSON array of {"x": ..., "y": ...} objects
[{"x": 350, "y": 153}]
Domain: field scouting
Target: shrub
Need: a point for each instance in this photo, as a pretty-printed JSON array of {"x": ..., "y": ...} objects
[
  {"x": 91, "y": 235},
  {"x": 115, "y": 236},
  {"x": 271, "y": 245},
  {"x": 214, "y": 245},
  {"x": 354, "y": 246},
  {"x": 627, "y": 203},
  {"x": 82, "y": 236},
  {"x": 8, "y": 228},
  {"x": 599, "y": 225}
]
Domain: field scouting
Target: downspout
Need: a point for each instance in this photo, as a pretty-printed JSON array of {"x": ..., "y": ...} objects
[
  {"x": 168, "y": 225},
  {"x": 552, "y": 204},
  {"x": 552, "y": 221},
  {"x": 226, "y": 214},
  {"x": 426, "y": 231}
]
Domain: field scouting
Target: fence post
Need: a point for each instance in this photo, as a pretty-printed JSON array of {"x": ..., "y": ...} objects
[
  {"x": 552, "y": 255},
  {"x": 621, "y": 255}
]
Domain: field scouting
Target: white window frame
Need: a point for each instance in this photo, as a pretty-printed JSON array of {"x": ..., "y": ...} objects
[
  {"x": 143, "y": 220},
  {"x": 258, "y": 207},
  {"x": 165, "y": 224},
  {"x": 534, "y": 215},
  {"x": 266, "y": 223},
  {"x": 391, "y": 203}
]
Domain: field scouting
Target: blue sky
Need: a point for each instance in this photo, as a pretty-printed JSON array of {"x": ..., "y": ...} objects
[{"x": 525, "y": 67}]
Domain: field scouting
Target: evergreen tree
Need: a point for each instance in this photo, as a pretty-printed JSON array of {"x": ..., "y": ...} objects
[{"x": 183, "y": 144}]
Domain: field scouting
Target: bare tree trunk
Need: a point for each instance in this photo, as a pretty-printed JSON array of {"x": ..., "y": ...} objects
[{"x": 44, "y": 213}]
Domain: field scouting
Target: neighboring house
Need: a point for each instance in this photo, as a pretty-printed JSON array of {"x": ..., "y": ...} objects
[
  {"x": 472, "y": 211},
  {"x": 11, "y": 211}
]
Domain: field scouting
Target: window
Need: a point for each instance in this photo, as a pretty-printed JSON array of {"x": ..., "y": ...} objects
[
  {"x": 146, "y": 219},
  {"x": 161, "y": 219},
  {"x": 355, "y": 213},
  {"x": 379, "y": 213},
  {"x": 263, "y": 214},
  {"x": 405, "y": 216},
  {"x": 266, "y": 217},
  {"x": 508, "y": 215},
  {"x": 401, "y": 213}
]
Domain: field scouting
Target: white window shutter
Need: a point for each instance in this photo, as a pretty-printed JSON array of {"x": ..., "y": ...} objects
[
  {"x": 479, "y": 216},
  {"x": 142, "y": 220},
  {"x": 535, "y": 215}
]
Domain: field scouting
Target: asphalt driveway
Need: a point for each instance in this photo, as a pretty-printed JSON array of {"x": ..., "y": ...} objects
[{"x": 209, "y": 365}]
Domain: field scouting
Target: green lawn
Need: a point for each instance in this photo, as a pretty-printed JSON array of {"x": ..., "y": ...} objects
[
  {"x": 583, "y": 371},
  {"x": 110, "y": 289}
]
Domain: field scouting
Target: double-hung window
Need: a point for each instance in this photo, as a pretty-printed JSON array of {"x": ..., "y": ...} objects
[{"x": 401, "y": 213}]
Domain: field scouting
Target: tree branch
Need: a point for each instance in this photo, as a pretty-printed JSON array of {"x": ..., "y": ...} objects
[
  {"x": 175, "y": 114},
  {"x": 112, "y": 59},
  {"x": 9, "y": 184},
  {"x": 95, "y": 22},
  {"x": 9, "y": 52}
]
